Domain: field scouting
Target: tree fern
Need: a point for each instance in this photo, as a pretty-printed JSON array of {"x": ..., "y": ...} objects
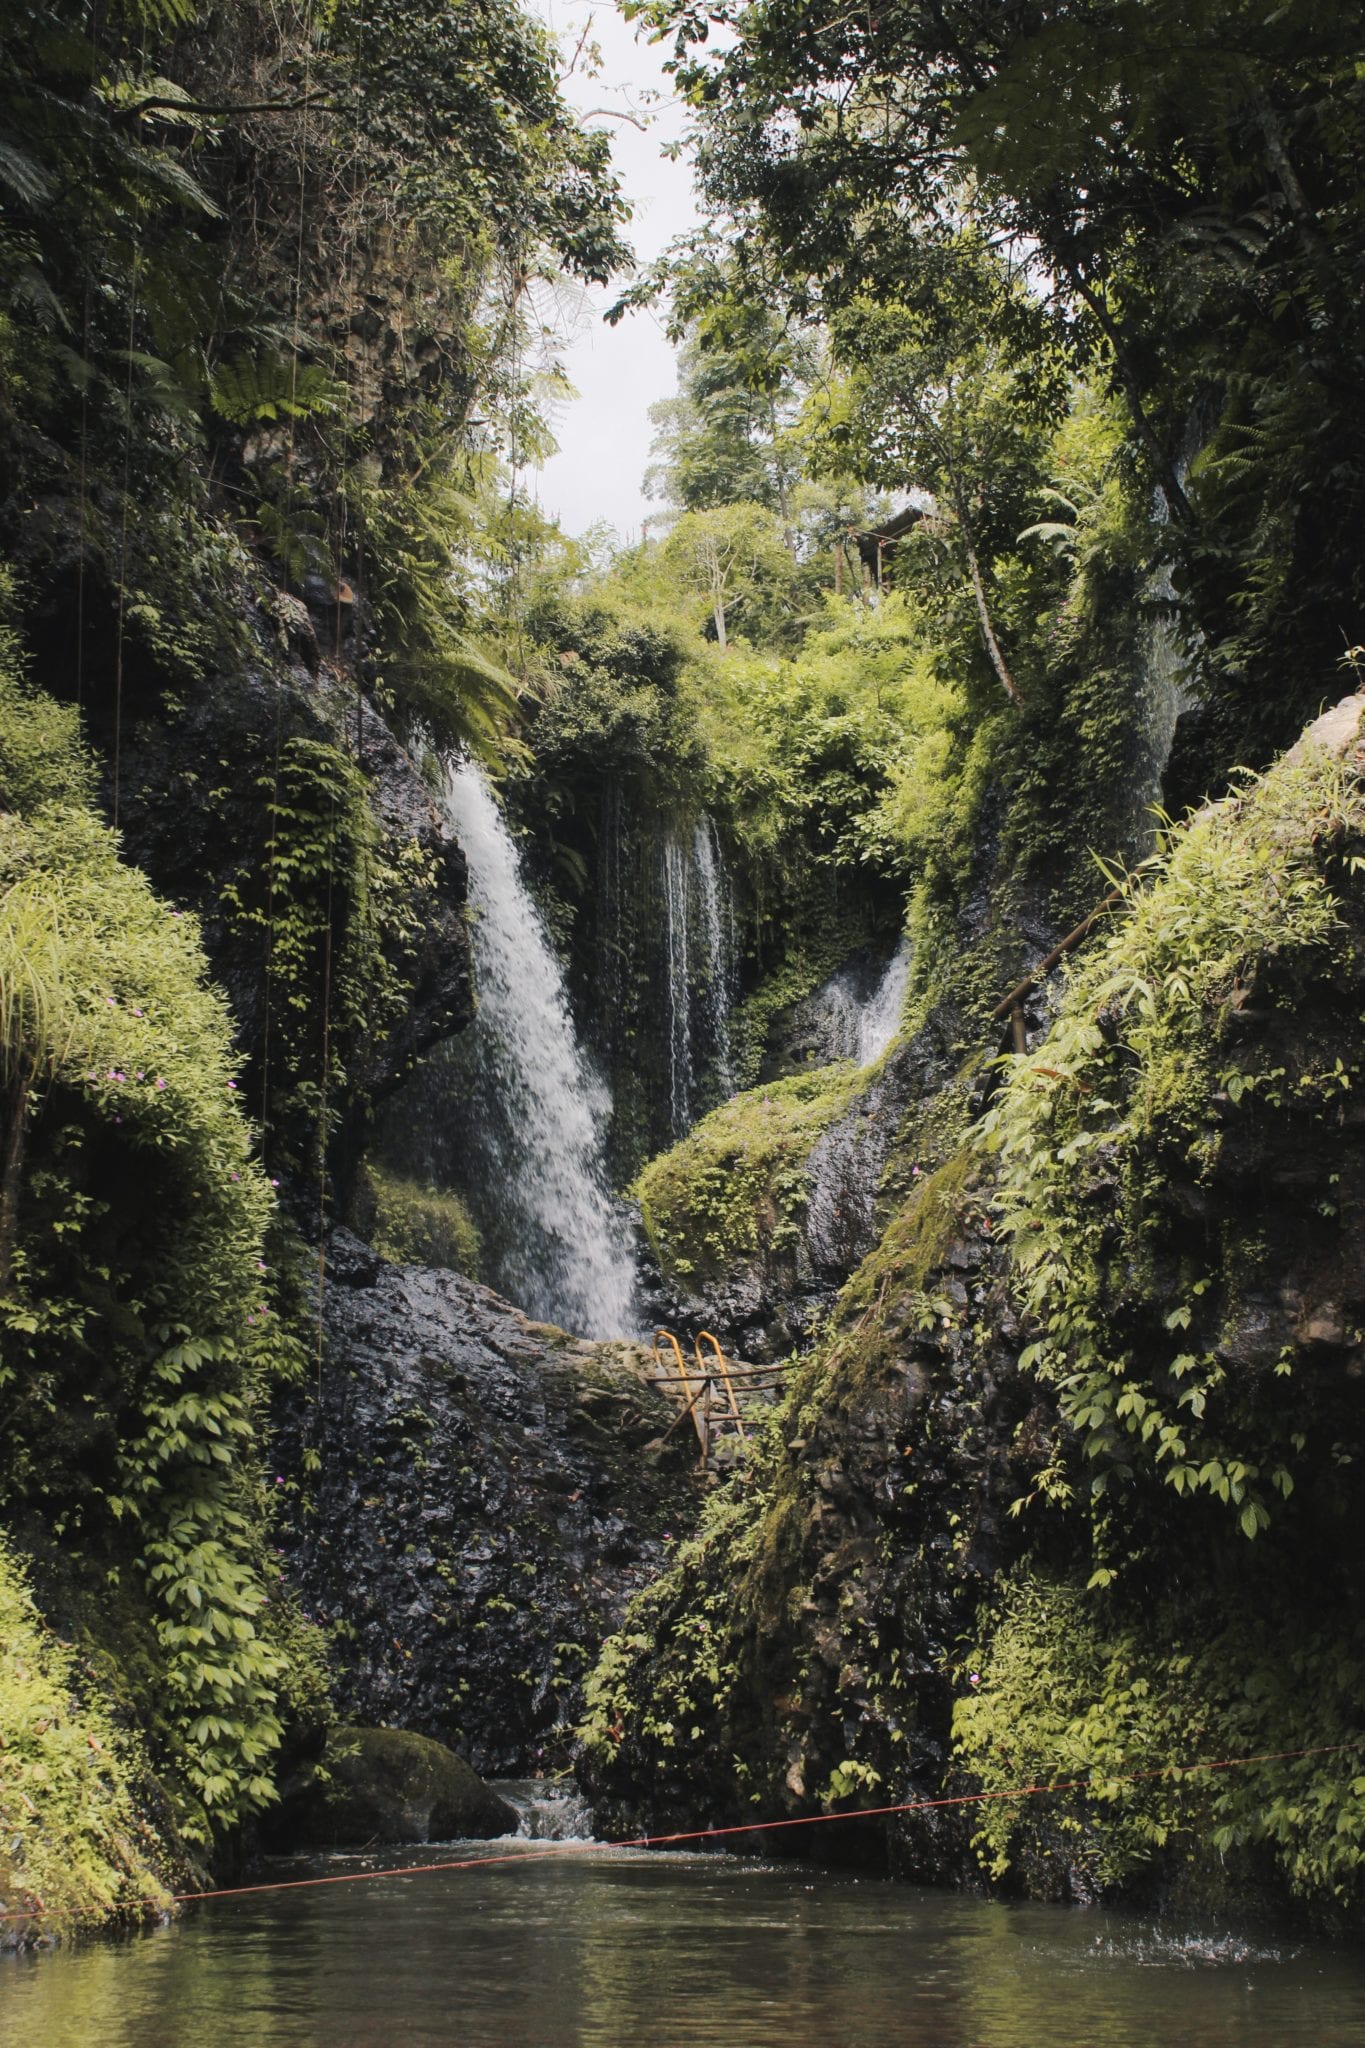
[{"x": 260, "y": 390}]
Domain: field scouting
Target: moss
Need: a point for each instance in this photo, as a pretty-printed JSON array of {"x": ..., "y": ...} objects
[
  {"x": 735, "y": 1189},
  {"x": 137, "y": 1329},
  {"x": 74, "y": 1836},
  {"x": 41, "y": 757},
  {"x": 393, "y": 1785},
  {"x": 1176, "y": 1166},
  {"x": 413, "y": 1223},
  {"x": 1062, "y": 1688},
  {"x": 1217, "y": 1022}
]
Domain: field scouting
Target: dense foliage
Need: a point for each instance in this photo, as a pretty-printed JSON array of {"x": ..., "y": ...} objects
[
  {"x": 75, "y": 1841},
  {"x": 139, "y": 1331},
  {"x": 270, "y": 350},
  {"x": 1182, "y": 186},
  {"x": 1013, "y": 485},
  {"x": 1090, "y": 1516}
]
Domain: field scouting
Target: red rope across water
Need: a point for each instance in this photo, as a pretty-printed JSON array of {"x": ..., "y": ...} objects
[{"x": 747, "y": 1827}]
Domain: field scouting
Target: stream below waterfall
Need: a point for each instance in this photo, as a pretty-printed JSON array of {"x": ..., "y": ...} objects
[{"x": 588, "y": 1947}]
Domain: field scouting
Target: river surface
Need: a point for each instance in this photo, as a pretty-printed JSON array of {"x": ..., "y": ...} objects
[{"x": 595, "y": 1948}]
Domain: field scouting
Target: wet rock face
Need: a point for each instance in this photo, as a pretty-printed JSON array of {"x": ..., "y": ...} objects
[
  {"x": 884, "y": 1521},
  {"x": 487, "y": 1500},
  {"x": 768, "y": 1303},
  {"x": 197, "y": 785}
]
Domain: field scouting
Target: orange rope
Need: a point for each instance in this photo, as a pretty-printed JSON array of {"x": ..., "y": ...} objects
[{"x": 747, "y": 1827}]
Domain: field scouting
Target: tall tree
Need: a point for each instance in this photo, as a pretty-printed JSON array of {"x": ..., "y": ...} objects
[{"x": 1180, "y": 177}]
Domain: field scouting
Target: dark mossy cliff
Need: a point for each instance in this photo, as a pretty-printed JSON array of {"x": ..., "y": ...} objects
[
  {"x": 1071, "y": 1488},
  {"x": 264, "y": 275}
]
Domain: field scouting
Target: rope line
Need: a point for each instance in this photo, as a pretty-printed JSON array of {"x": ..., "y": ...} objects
[{"x": 712, "y": 1834}]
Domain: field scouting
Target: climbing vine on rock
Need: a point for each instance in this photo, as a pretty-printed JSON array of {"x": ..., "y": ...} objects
[{"x": 139, "y": 1332}]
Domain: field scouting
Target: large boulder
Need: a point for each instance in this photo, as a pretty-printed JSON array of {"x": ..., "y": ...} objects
[{"x": 391, "y": 1785}]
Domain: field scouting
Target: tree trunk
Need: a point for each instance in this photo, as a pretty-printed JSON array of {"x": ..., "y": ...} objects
[
  {"x": 1300, "y": 206},
  {"x": 998, "y": 662},
  {"x": 1170, "y": 483},
  {"x": 13, "y": 1166}
]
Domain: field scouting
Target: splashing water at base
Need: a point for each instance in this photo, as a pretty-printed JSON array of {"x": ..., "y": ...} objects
[
  {"x": 549, "y": 1810},
  {"x": 536, "y": 1110}
]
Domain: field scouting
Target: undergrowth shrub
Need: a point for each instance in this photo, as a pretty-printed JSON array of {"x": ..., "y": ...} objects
[{"x": 137, "y": 1331}]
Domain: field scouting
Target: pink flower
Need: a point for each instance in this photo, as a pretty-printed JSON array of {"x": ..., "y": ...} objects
[{"x": 159, "y": 1082}]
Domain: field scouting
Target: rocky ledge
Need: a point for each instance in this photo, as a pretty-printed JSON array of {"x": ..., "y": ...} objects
[{"x": 472, "y": 1500}]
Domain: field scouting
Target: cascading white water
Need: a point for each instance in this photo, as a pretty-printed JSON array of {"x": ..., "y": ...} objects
[
  {"x": 699, "y": 959},
  {"x": 857, "y": 1018},
  {"x": 718, "y": 927},
  {"x": 539, "y": 1107},
  {"x": 681, "y": 1079},
  {"x": 879, "y": 1019},
  {"x": 847, "y": 1160}
]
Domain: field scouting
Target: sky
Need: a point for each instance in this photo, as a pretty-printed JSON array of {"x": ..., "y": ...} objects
[{"x": 619, "y": 372}]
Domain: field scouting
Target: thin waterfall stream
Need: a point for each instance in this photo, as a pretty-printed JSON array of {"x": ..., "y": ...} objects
[
  {"x": 681, "y": 1077},
  {"x": 538, "y": 1110},
  {"x": 699, "y": 948},
  {"x": 718, "y": 927}
]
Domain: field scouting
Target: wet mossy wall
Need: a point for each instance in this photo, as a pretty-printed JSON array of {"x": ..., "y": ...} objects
[{"x": 972, "y": 1551}]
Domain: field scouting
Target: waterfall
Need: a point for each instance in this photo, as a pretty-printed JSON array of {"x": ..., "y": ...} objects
[
  {"x": 718, "y": 925},
  {"x": 855, "y": 1014},
  {"x": 879, "y": 1018},
  {"x": 847, "y": 1161},
  {"x": 699, "y": 963},
  {"x": 537, "y": 1110},
  {"x": 1163, "y": 656},
  {"x": 679, "y": 967}
]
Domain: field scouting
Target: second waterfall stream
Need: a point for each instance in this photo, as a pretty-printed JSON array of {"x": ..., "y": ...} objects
[{"x": 559, "y": 1243}]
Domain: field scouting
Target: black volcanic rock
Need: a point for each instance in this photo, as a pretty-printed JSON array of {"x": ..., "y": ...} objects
[{"x": 489, "y": 1492}]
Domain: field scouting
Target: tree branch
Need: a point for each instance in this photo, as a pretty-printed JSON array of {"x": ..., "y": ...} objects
[{"x": 158, "y": 100}]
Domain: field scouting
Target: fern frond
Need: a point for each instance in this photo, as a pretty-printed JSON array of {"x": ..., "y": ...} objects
[{"x": 259, "y": 390}]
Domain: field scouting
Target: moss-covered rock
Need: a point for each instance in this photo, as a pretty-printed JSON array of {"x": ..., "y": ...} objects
[
  {"x": 724, "y": 1209},
  {"x": 138, "y": 1321},
  {"x": 1068, "y": 1491},
  {"x": 391, "y": 1785},
  {"x": 413, "y": 1223}
]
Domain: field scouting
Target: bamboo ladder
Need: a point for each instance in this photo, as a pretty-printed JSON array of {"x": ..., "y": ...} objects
[{"x": 699, "y": 1385}]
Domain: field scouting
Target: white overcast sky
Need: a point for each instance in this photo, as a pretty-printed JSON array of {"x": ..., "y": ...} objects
[{"x": 604, "y": 434}]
